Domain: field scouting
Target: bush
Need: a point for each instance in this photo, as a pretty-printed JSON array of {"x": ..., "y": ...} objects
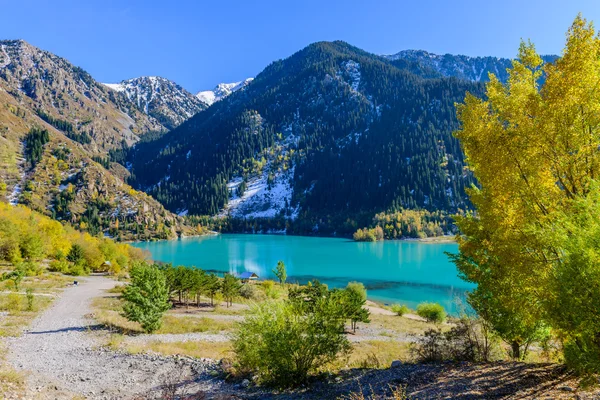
[
  {"x": 432, "y": 312},
  {"x": 284, "y": 344},
  {"x": 30, "y": 299},
  {"x": 400, "y": 310},
  {"x": 61, "y": 266},
  {"x": 248, "y": 291},
  {"x": 77, "y": 270},
  {"x": 471, "y": 339},
  {"x": 14, "y": 302}
]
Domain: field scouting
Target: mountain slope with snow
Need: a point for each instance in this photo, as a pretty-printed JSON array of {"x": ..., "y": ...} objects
[
  {"x": 460, "y": 66},
  {"x": 160, "y": 98},
  {"x": 323, "y": 139},
  {"x": 221, "y": 91}
]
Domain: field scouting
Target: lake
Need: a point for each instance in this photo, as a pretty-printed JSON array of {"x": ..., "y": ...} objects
[{"x": 405, "y": 272}]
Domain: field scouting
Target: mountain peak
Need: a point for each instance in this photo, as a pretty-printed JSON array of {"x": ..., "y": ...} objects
[
  {"x": 160, "y": 98},
  {"x": 221, "y": 91}
]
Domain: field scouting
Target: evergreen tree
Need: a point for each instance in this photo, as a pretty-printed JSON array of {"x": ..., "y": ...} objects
[{"x": 146, "y": 297}]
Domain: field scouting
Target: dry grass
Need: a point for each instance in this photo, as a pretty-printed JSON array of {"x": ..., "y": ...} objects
[
  {"x": 377, "y": 354},
  {"x": 107, "y": 312},
  {"x": 395, "y": 393},
  {"x": 11, "y": 381},
  {"x": 16, "y": 314},
  {"x": 401, "y": 325},
  {"x": 214, "y": 350}
]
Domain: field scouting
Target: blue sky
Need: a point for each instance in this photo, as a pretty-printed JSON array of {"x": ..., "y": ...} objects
[{"x": 201, "y": 43}]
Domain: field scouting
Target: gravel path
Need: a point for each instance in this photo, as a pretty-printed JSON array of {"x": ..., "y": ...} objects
[{"x": 62, "y": 354}]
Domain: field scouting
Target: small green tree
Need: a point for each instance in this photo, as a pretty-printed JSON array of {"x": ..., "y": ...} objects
[
  {"x": 230, "y": 287},
  {"x": 280, "y": 272},
  {"x": 30, "y": 299},
  {"x": 15, "y": 275},
  {"x": 353, "y": 299},
  {"x": 400, "y": 310},
  {"x": 212, "y": 286},
  {"x": 32, "y": 247},
  {"x": 146, "y": 297},
  {"x": 76, "y": 253}
]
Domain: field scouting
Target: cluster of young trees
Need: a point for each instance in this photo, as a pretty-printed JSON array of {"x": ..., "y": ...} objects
[
  {"x": 284, "y": 342},
  {"x": 34, "y": 145},
  {"x": 190, "y": 284},
  {"x": 154, "y": 288},
  {"x": 414, "y": 223},
  {"x": 368, "y": 235},
  {"x": 531, "y": 247},
  {"x": 28, "y": 236}
]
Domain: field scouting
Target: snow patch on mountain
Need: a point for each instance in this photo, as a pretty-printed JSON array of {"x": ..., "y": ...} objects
[
  {"x": 5, "y": 57},
  {"x": 260, "y": 200},
  {"x": 221, "y": 91},
  {"x": 160, "y": 98}
]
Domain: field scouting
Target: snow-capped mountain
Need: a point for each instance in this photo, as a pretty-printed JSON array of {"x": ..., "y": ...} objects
[
  {"x": 160, "y": 98},
  {"x": 221, "y": 91},
  {"x": 459, "y": 66}
]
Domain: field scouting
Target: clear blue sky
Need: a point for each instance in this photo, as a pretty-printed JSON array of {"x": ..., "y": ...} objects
[{"x": 201, "y": 43}]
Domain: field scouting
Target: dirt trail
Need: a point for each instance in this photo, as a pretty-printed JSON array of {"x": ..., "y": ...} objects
[{"x": 61, "y": 350}]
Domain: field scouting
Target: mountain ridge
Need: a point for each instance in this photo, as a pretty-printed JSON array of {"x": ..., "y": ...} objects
[
  {"x": 161, "y": 98},
  {"x": 59, "y": 130}
]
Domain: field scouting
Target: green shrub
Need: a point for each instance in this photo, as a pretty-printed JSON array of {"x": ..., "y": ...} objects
[
  {"x": 432, "y": 312},
  {"x": 284, "y": 344},
  {"x": 14, "y": 302},
  {"x": 30, "y": 299},
  {"x": 61, "y": 266},
  {"x": 400, "y": 310},
  {"x": 77, "y": 269},
  {"x": 249, "y": 291}
]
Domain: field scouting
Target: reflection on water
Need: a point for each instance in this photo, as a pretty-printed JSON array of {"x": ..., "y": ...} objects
[{"x": 393, "y": 271}]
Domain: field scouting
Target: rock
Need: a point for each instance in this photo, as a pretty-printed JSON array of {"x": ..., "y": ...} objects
[
  {"x": 396, "y": 364},
  {"x": 245, "y": 383}
]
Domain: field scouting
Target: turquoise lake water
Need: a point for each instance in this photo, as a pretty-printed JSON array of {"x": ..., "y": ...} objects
[{"x": 404, "y": 272}]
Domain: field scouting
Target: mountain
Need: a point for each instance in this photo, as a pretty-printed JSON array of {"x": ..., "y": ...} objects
[
  {"x": 221, "y": 91},
  {"x": 67, "y": 96},
  {"x": 164, "y": 100},
  {"x": 322, "y": 141},
  {"x": 459, "y": 66},
  {"x": 59, "y": 132}
]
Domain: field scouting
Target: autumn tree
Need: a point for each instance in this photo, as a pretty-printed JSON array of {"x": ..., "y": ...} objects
[{"x": 532, "y": 144}]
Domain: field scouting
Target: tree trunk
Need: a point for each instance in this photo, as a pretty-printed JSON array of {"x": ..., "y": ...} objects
[{"x": 516, "y": 350}]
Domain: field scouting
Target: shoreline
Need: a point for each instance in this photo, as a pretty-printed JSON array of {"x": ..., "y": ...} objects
[{"x": 428, "y": 240}]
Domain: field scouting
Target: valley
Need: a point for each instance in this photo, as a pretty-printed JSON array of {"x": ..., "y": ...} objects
[{"x": 326, "y": 222}]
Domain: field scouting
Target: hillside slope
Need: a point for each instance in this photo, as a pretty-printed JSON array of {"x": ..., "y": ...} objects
[
  {"x": 57, "y": 126},
  {"x": 463, "y": 67},
  {"x": 325, "y": 138}
]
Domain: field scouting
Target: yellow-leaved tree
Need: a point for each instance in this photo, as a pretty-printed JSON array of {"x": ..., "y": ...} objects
[{"x": 534, "y": 146}]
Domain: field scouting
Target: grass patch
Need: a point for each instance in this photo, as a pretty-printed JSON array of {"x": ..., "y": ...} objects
[
  {"x": 214, "y": 350},
  {"x": 374, "y": 354},
  {"x": 401, "y": 325},
  {"x": 107, "y": 311},
  {"x": 16, "y": 313}
]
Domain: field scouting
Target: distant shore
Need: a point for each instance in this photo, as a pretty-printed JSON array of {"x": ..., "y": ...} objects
[{"x": 437, "y": 239}]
